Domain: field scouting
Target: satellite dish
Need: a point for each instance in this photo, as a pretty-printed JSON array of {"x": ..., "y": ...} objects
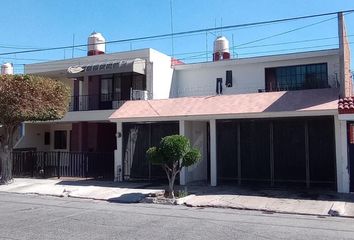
[{"x": 74, "y": 70}]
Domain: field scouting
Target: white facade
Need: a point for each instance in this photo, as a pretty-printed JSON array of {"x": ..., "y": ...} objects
[
  {"x": 248, "y": 74},
  {"x": 164, "y": 81}
]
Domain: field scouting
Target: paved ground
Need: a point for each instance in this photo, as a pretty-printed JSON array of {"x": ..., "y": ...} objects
[
  {"x": 43, "y": 217},
  {"x": 319, "y": 203},
  {"x": 271, "y": 200},
  {"x": 76, "y": 188}
]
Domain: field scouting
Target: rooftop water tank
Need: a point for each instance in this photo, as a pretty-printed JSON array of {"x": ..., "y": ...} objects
[
  {"x": 7, "y": 68},
  {"x": 221, "y": 49},
  {"x": 96, "y": 44}
]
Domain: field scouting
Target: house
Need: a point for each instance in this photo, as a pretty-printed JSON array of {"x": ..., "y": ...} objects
[
  {"x": 100, "y": 84},
  {"x": 269, "y": 120}
]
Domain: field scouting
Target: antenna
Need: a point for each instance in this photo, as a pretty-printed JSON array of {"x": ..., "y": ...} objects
[
  {"x": 73, "y": 48},
  {"x": 221, "y": 27},
  {"x": 172, "y": 37}
]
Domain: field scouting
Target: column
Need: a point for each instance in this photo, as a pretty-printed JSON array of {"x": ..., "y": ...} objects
[
  {"x": 183, "y": 173},
  {"x": 118, "y": 156},
  {"x": 213, "y": 165},
  {"x": 340, "y": 128}
]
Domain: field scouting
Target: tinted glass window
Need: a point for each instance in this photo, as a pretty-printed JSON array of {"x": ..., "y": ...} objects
[{"x": 297, "y": 77}]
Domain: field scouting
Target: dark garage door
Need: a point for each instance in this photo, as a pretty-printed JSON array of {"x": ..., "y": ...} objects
[
  {"x": 297, "y": 151},
  {"x": 137, "y": 138}
]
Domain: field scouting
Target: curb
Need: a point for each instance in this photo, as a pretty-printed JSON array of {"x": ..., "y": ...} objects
[{"x": 337, "y": 210}]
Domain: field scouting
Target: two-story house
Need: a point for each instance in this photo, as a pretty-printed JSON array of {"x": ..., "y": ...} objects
[
  {"x": 100, "y": 84},
  {"x": 269, "y": 120}
]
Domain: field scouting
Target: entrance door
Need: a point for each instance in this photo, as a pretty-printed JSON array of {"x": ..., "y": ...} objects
[{"x": 350, "y": 128}]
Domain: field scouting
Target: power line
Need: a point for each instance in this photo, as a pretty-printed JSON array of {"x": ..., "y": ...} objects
[
  {"x": 278, "y": 34},
  {"x": 183, "y": 33}
]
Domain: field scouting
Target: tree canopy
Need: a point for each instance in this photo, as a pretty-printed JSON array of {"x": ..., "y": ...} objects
[
  {"x": 27, "y": 98},
  {"x": 31, "y": 98}
]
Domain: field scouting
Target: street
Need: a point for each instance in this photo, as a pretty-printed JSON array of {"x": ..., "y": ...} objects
[{"x": 42, "y": 217}]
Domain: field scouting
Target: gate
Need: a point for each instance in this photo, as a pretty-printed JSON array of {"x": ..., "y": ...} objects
[
  {"x": 277, "y": 152},
  {"x": 63, "y": 164},
  {"x": 137, "y": 138}
]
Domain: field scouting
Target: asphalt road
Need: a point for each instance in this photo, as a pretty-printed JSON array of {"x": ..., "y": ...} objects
[{"x": 38, "y": 217}]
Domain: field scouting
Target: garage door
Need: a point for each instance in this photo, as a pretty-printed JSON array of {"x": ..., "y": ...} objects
[{"x": 297, "y": 151}]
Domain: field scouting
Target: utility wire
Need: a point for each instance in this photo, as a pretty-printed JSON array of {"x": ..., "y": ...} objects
[{"x": 183, "y": 33}]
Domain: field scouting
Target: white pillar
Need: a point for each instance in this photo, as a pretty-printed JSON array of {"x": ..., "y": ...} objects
[
  {"x": 183, "y": 173},
  {"x": 213, "y": 165},
  {"x": 341, "y": 155},
  {"x": 118, "y": 156}
]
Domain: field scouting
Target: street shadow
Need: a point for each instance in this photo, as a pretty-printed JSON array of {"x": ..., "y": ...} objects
[{"x": 128, "y": 198}]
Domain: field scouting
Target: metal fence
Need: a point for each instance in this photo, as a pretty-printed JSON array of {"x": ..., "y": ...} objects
[{"x": 63, "y": 164}]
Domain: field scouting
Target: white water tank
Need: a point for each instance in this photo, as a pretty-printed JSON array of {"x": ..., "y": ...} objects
[
  {"x": 7, "y": 68},
  {"x": 221, "y": 49},
  {"x": 96, "y": 44}
]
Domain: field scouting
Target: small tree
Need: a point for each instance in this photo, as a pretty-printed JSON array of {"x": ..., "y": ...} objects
[
  {"x": 27, "y": 98},
  {"x": 173, "y": 153}
]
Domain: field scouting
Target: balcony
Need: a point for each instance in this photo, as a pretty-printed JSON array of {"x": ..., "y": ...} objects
[{"x": 104, "y": 101}]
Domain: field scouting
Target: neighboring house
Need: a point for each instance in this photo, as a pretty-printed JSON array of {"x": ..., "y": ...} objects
[
  {"x": 271, "y": 120},
  {"x": 100, "y": 84}
]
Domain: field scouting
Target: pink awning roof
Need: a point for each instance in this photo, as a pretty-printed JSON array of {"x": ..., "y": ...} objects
[{"x": 286, "y": 101}]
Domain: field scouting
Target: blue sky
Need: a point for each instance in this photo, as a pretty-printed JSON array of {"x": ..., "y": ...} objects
[{"x": 49, "y": 23}]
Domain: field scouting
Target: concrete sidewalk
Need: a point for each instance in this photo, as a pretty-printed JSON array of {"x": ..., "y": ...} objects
[
  {"x": 307, "y": 203},
  {"x": 97, "y": 190}
]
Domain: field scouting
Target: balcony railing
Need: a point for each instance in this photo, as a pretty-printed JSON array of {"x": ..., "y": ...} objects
[{"x": 104, "y": 101}]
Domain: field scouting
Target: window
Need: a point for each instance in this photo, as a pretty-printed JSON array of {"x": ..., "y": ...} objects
[
  {"x": 60, "y": 139},
  {"x": 47, "y": 138},
  {"x": 106, "y": 88},
  {"x": 296, "y": 77}
]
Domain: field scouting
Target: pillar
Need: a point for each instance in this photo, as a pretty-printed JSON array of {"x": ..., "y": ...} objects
[
  {"x": 340, "y": 128},
  {"x": 183, "y": 173},
  {"x": 213, "y": 163},
  {"x": 118, "y": 156}
]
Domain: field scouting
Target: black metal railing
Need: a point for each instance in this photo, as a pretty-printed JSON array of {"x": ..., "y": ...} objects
[
  {"x": 63, "y": 164},
  {"x": 104, "y": 101}
]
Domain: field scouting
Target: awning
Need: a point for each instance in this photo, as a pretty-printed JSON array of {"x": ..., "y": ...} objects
[
  {"x": 270, "y": 104},
  {"x": 109, "y": 67}
]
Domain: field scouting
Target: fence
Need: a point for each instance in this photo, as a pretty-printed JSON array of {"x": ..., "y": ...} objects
[{"x": 63, "y": 164}]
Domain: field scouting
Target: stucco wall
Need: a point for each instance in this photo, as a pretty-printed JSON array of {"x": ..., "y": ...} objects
[
  {"x": 196, "y": 131},
  {"x": 34, "y": 136},
  {"x": 248, "y": 75},
  {"x": 161, "y": 74}
]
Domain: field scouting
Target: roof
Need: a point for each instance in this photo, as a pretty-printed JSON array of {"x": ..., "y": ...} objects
[
  {"x": 346, "y": 105},
  {"x": 286, "y": 101}
]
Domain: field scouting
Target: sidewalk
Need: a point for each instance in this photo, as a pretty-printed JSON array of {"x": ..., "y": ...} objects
[
  {"x": 89, "y": 189},
  {"x": 279, "y": 201}
]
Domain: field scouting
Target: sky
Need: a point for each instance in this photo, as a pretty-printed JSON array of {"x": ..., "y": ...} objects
[{"x": 51, "y": 23}]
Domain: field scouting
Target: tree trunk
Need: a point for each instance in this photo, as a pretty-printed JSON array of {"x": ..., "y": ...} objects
[
  {"x": 6, "y": 147},
  {"x": 171, "y": 185}
]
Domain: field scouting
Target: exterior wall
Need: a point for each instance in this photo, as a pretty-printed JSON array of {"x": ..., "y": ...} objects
[
  {"x": 34, "y": 137},
  {"x": 161, "y": 75},
  {"x": 197, "y": 133},
  {"x": 248, "y": 74},
  {"x": 346, "y": 83}
]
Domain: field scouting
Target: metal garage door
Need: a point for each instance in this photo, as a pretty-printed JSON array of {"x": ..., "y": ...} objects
[
  {"x": 137, "y": 138},
  {"x": 296, "y": 151}
]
